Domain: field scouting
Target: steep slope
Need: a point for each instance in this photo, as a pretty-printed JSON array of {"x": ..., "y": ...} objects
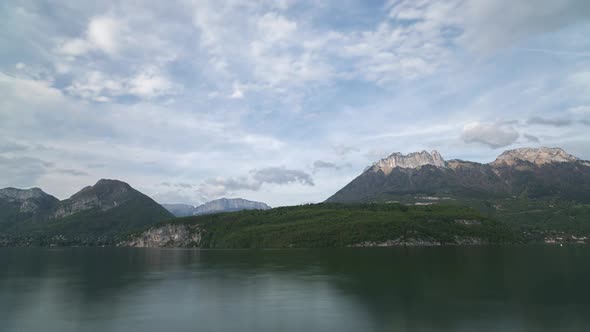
[
  {"x": 215, "y": 206},
  {"x": 101, "y": 212},
  {"x": 548, "y": 173}
]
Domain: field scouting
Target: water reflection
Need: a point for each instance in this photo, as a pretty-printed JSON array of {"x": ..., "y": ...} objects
[{"x": 401, "y": 289}]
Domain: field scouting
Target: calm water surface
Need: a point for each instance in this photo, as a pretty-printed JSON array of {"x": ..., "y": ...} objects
[{"x": 400, "y": 289}]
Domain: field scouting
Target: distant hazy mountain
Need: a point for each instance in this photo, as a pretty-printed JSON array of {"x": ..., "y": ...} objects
[
  {"x": 215, "y": 206},
  {"x": 229, "y": 204},
  {"x": 548, "y": 173},
  {"x": 107, "y": 209},
  {"x": 180, "y": 210}
]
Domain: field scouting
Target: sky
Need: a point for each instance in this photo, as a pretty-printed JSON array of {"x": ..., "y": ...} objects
[{"x": 280, "y": 101}]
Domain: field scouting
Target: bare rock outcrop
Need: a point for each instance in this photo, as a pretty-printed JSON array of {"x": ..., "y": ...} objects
[
  {"x": 411, "y": 160},
  {"x": 537, "y": 156},
  {"x": 167, "y": 236}
]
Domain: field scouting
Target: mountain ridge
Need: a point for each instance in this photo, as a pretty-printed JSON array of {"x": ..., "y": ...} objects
[
  {"x": 537, "y": 156},
  {"x": 104, "y": 209},
  {"x": 540, "y": 172}
]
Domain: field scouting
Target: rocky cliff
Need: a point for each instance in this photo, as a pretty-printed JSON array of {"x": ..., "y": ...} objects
[
  {"x": 539, "y": 156},
  {"x": 411, "y": 160},
  {"x": 166, "y": 236}
]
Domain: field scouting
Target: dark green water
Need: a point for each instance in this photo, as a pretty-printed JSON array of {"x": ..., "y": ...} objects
[{"x": 415, "y": 289}]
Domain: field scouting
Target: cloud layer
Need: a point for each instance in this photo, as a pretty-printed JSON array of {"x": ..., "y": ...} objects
[
  {"x": 494, "y": 135},
  {"x": 256, "y": 178},
  {"x": 192, "y": 100}
]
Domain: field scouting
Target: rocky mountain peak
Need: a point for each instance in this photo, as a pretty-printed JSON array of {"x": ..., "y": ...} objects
[
  {"x": 537, "y": 156},
  {"x": 104, "y": 187},
  {"x": 111, "y": 184},
  {"x": 411, "y": 160},
  {"x": 104, "y": 195},
  {"x": 27, "y": 200}
]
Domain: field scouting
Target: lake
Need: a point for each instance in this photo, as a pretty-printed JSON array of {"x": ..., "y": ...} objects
[{"x": 528, "y": 288}]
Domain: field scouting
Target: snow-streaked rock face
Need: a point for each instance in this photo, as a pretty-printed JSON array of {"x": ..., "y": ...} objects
[
  {"x": 537, "y": 156},
  {"x": 411, "y": 160},
  {"x": 167, "y": 236}
]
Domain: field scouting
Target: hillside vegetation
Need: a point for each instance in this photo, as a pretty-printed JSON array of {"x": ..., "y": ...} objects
[{"x": 341, "y": 225}]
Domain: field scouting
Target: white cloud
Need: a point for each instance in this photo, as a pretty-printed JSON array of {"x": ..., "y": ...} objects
[
  {"x": 219, "y": 186},
  {"x": 494, "y": 135},
  {"x": 101, "y": 87},
  {"x": 343, "y": 150},
  {"x": 151, "y": 83},
  {"x": 75, "y": 47},
  {"x": 281, "y": 55},
  {"x": 411, "y": 43},
  {"x": 21, "y": 171},
  {"x": 237, "y": 92},
  {"x": 222, "y": 186},
  {"x": 492, "y": 24},
  {"x": 118, "y": 55},
  {"x": 30, "y": 90},
  {"x": 324, "y": 81},
  {"x": 103, "y": 32},
  {"x": 274, "y": 28},
  {"x": 281, "y": 175},
  {"x": 580, "y": 110}
]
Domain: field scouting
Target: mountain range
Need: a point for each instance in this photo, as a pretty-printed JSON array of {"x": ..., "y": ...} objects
[
  {"x": 401, "y": 199},
  {"x": 543, "y": 173},
  {"x": 104, "y": 210},
  {"x": 215, "y": 206}
]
